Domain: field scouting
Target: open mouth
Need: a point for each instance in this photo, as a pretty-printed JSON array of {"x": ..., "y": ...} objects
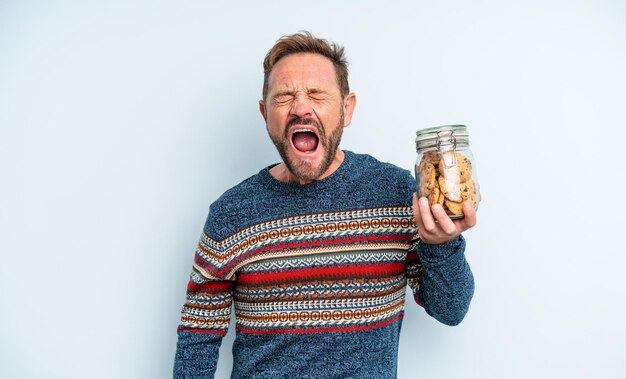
[{"x": 304, "y": 140}]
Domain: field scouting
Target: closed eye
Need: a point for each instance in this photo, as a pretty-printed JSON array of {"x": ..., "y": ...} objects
[
  {"x": 283, "y": 99},
  {"x": 317, "y": 95}
]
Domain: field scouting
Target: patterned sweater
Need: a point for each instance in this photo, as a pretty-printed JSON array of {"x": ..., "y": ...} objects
[{"x": 318, "y": 275}]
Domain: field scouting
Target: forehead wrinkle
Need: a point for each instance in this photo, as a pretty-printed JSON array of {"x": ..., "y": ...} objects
[
  {"x": 305, "y": 84},
  {"x": 289, "y": 77}
]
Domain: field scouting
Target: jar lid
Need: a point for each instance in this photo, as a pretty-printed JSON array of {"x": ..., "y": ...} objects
[{"x": 445, "y": 138}]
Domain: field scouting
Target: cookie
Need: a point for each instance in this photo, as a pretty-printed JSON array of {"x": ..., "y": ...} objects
[
  {"x": 455, "y": 167},
  {"x": 468, "y": 191},
  {"x": 423, "y": 189},
  {"x": 428, "y": 175},
  {"x": 458, "y": 192},
  {"x": 434, "y": 196},
  {"x": 454, "y": 207},
  {"x": 423, "y": 163},
  {"x": 441, "y": 199},
  {"x": 446, "y": 179},
  {"x": 450, "y": 190},
  {"x": 433, "y": 157}
]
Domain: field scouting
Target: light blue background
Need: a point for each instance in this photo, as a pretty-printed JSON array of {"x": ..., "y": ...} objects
[{"x": 121, "y": 121}]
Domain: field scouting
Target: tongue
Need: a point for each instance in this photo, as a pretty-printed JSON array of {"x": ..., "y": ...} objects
[{"x": 305, "y": 141}]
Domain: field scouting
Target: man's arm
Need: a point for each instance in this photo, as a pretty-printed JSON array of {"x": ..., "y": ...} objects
[
  {"x": 441, "y": 280},
  {"x": 205, "y": 316},
  {"x": 437, "y": 270},
  {"x": 204, "y": 321}
]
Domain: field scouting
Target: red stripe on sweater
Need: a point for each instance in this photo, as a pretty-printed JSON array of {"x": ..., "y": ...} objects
[
  {"x": 303, "y": 245},
  {"x": 335, "y": 241},
  {"x": 203, "y": 331},
  {"x": 323, "y": 329},
  {"x": 210, "y": 287},
  {"x": 334, "y": 272}
]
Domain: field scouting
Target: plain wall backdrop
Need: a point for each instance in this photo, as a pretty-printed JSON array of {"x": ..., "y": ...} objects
[{"x": 121, "y": 121}]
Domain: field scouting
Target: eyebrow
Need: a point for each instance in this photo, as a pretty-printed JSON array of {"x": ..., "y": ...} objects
[
  {"x": 309, "y": 91},
  {"x": 315, "y": 90},
  {"x": 284, "y": 93}
]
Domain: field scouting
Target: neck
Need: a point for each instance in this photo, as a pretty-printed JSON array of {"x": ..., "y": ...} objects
[{"x": 281, "y": 173}]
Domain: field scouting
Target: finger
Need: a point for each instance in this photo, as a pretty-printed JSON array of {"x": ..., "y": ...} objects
[
  {"x": 446, "y": 224},
  {"x": 470, "y": 216},
  {"x": 426, "y": 216}
]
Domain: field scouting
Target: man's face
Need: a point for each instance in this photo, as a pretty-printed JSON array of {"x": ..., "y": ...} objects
[{"x": 305, "y": 114}]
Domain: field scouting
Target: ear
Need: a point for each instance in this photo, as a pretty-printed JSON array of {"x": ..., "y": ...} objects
[
  {"x": 348, "y": 108},
  {"x": 262, "y": 110}
]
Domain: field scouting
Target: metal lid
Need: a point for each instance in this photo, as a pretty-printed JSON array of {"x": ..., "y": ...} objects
[{"x": 443, "y": 138}]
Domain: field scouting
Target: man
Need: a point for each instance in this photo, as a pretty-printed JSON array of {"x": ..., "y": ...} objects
[{"x": 317, "y": 251}]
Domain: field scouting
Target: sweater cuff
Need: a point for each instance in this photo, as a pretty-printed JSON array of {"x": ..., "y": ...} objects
[{"x": 435, "y": 255}]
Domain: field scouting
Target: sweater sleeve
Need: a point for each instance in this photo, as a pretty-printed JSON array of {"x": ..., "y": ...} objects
[
  {"x": 204, "y": 322},
  {"x": 205, "y": 316},
  {"x": 441, "y": 279}
]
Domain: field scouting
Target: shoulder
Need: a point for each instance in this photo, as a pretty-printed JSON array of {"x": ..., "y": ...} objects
[
  {"x": 369, "y": 163},
  {"x": 232, "y": 208},
  {"x": 385, "y": 175}
]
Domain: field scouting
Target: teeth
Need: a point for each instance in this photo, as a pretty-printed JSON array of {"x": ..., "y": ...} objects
[{"x": 302, "y": 130}]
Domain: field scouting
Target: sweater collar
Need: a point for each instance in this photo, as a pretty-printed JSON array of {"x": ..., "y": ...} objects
[{"x": 268, "y": 180}]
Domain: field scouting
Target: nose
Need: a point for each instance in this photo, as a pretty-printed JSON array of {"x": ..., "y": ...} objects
[{"x": 301, "y": 106}]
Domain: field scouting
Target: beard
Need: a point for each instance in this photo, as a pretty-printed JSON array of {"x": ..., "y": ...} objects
[{"x": 328, "y": 143}]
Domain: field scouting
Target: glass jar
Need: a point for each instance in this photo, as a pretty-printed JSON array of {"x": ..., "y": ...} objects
[{"x": 445, "y": 170}]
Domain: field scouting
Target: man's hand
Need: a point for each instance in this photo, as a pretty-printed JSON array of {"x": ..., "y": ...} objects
[{"x": 444, "y": 230}]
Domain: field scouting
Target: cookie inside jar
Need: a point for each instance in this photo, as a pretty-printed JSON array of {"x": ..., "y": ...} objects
[
  {"x": 444, "y": 169},
  {"x": 446, "y": 178}
]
